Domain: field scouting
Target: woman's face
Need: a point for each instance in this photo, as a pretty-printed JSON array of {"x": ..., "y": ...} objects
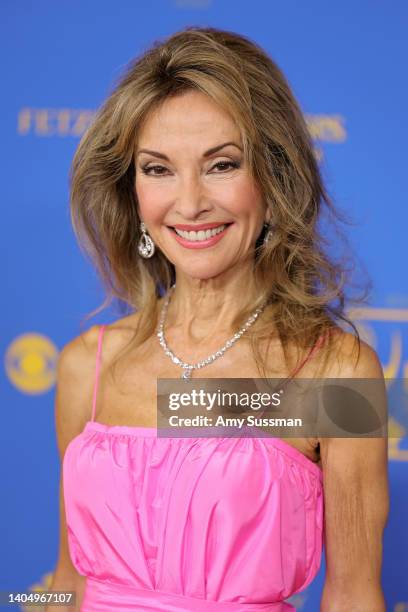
[{"x": 194, "y": 190}]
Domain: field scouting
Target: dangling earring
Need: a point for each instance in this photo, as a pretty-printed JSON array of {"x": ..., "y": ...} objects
[
  {"x": 146, "y": 244},
  {"x": 268, "y": 235}
]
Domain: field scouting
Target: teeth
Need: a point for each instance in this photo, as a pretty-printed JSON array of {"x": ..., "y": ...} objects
[{"x": 201, "y": 235}]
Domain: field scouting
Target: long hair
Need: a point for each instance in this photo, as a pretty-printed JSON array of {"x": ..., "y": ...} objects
[{"x": 303, "y": 287}]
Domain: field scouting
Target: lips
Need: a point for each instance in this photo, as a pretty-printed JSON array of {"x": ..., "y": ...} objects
[
  {"x": 202, "y": 242},
  {"x": 197, "y": 228}
]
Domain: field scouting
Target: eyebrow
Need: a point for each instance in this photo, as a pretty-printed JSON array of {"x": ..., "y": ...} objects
[{"x": 206, "y": 154}]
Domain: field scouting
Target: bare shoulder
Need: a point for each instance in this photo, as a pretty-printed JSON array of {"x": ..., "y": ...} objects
[
  {"x": 352, "y": 358},
  {"x": 75, "y": 377},
  {"x": 120, "y": 333},
  {"x": 76, "y": 373}
]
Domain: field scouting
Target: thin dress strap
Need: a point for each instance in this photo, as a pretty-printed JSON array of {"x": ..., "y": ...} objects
[
  {"x": 97, "y": 369},
  {"x": 312, "y": 351}
]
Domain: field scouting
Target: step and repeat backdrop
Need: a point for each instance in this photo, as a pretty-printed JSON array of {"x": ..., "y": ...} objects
[{"x": 346, "y": 65}]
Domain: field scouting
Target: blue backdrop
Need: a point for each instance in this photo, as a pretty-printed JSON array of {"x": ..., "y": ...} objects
[{"x": 346, "y": 63}]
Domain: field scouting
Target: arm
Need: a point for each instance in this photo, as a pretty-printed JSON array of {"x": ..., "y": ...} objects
[
  {"x": 356, "y": 497},
  {"x": 75, "y": 372}
]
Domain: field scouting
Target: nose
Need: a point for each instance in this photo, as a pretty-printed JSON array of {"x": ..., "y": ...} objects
[{"x": 191, "y": 201}]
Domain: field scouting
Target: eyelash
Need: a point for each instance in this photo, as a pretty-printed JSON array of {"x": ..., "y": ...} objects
[{"x": 233, "y": 165}]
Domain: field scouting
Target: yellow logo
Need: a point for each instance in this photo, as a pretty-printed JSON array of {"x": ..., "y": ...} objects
[
  {"x": 54, "y": 121},
  {"x": 30, "y": 363},
  {"x": 392, "y": 369},
  {"x": 45, "y": 122}
]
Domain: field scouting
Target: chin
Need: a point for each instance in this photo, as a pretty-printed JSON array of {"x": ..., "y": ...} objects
[{"x": 200, "y": 273}]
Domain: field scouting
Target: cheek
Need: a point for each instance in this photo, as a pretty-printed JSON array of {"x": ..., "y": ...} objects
[
  {"x": 151, "y": 204},
  {"x": 245, "y": 198},
  {"x": 240, "y": 196}
]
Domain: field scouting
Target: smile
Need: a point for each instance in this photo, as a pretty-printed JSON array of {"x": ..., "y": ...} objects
[
  {"x": 202, "y": 238},
  {"x": 201, "y": 235}
]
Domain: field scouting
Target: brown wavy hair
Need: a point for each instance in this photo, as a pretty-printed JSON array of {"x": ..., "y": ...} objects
[{"x": 303, "y": 287}]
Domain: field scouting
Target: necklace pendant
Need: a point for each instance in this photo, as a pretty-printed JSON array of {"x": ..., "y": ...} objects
[{"x": 186, "y": 375}]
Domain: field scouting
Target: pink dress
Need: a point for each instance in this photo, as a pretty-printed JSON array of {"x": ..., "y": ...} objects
[{"x": 197, "y": 524}]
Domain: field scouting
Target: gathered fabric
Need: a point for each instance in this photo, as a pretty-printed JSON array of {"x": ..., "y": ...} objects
[{"x": 198, "y": 524}]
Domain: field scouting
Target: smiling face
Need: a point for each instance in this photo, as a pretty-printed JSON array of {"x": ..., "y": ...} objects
[{"x": 195, "y": 193}]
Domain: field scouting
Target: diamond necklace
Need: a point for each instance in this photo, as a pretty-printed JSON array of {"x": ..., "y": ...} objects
[{"x": 187, "y": 367}]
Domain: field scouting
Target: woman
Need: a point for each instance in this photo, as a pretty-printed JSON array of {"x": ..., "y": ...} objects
[{"x": 197, "y": 193}]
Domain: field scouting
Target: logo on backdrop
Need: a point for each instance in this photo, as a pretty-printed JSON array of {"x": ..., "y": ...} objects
[
  {"x": 45, "y": 122},
  {"x": 30, "y": 363},
  {"x": 326, "y": 128},
  {"x": 193, "y": 3},
  {"x": 395, "y": 368},
  {"x": 60, "y": 122}
]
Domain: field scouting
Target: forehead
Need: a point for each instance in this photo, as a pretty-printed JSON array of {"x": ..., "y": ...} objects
[{"x": 186, "y": 118}]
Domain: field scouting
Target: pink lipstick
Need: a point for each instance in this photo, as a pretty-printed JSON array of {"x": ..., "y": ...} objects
[{"x": 202, "y": 243}]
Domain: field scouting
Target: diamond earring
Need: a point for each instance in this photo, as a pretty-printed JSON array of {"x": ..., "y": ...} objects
[
  {"x": 268, "y": 235},
  {"x": 146, "y": 245}
]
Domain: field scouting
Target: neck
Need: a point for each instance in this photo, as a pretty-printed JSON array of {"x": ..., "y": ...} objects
[{"x": 202, "y": 309}]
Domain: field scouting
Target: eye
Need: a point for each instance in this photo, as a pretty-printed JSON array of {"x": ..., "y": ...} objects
[
  {"x": 146, "y": 170},
  {"x": 158, "y": 170},
  {"x": 226, "y": 164}
]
